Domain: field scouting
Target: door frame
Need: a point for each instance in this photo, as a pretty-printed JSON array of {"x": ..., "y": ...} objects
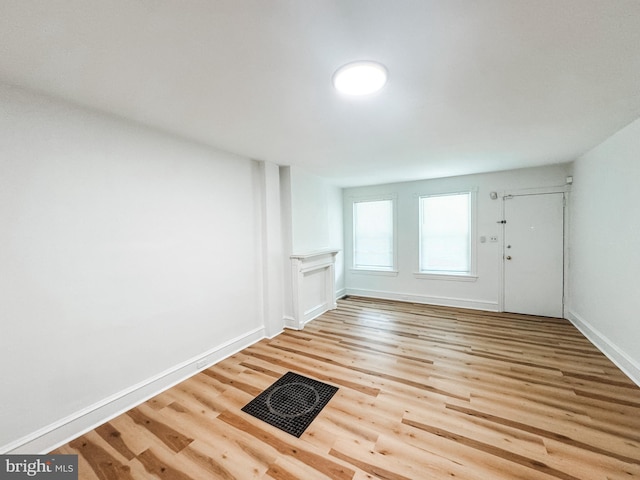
[{"x": 566, "y": 191}]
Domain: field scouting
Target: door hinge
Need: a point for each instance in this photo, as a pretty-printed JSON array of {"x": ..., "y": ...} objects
[{"x": 501, "y": 221}]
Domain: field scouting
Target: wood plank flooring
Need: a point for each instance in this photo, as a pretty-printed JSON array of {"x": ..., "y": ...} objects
[{"x": 424, "y": 393}]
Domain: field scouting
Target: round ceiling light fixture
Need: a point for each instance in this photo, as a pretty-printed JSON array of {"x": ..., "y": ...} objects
[{"x": 360, "y": 78}]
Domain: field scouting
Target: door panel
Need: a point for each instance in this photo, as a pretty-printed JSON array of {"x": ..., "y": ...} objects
[{"x": 534, "y": 254}]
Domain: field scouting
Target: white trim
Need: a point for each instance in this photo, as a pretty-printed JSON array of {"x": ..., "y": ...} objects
[
  {"x": 372, "y": 197},
  {"x": 315, "y": 253},
  {"x": 393, "y": 197},
  {"x": 473, "y": 229},
  {"x": 341, "y": 293},
  {"x": 535, "y": 191},
  {"x": 566, "y": 252},
  {"x": 289, "y": 321},
  {"x": 315, "y": 311},
  {"x": 429, "y": 300},
  {"x": 462, "y": 277},
  {"x": 78, "y": 423},
  {"x": 629, "y": 366},
  {"x": 444, "y": 191},
  {"x": 274, "y": 335},
  {"x": 369, "y": 271}
]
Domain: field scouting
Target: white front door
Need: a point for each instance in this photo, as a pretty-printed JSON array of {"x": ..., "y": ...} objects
[{"x": 534, "y": 254}]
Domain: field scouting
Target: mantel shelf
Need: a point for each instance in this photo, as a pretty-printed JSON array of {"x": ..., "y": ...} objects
[{"x": 317, "y": 253}]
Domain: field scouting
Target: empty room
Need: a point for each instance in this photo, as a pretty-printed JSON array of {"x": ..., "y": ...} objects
[{"x": 319, "y": 239}]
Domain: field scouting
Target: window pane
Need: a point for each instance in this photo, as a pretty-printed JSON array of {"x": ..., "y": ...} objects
[
  {"x": 373, "y": 234},
  {"x": 445, "y": 243}
]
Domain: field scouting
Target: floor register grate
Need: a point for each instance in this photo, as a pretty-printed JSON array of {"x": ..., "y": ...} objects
[{"x": 291, "y": 403}]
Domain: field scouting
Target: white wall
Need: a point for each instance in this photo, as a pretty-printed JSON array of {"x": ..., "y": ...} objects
[
  {"x": 125, "y": 254},
  {"x": 484, "y": 293},
  {"x": 309, "y": 212},
  {"x": 605, "y": 253},
  {"x": 336, "y": 233},
  {"x": 316, "y": 217}
]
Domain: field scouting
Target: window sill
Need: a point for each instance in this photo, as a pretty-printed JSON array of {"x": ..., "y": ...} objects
[
  {"x": 456, "y": 277},
  {"x": 365, "y": 271}
]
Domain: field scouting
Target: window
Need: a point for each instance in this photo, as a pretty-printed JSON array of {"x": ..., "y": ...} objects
[
  {"x": 445, "y": 234},
  {"x": 373, "y": 235}
]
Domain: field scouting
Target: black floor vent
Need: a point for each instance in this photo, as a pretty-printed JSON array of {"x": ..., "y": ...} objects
[{"x": 291, "y": 403}]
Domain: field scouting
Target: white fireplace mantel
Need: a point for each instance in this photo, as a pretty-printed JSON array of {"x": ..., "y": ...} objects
[{"x": 314, "y": 286}]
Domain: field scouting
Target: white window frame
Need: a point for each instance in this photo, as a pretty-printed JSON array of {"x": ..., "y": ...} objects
[
  {"x": 387, "y": 271},
  {"x": 471, "y": 275}
]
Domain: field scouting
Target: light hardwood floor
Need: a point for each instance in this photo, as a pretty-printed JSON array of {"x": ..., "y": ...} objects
[{"x": 424, "y": 393}]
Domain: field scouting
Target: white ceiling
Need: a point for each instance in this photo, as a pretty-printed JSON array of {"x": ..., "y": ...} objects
[{"x": 474, "y": 86}]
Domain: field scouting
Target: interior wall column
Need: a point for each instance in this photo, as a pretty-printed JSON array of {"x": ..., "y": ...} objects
[{"x": 272, "y": 249}]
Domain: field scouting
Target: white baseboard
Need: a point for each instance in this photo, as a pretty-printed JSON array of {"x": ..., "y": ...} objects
[
  {"x": 290, "y": 322},
  {"x": 429, "y": 300},
  {"x": 341, "y": 293},
  {"x": 275, "y": 334},
  {"x": 316, "y": 311},
  {"x": 624, "y": 362},
  {"x": 64, "y": 430},
  {"x": 312, "y": 314}
]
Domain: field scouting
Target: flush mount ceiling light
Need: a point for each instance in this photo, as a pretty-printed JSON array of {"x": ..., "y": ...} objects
[{"x": 360, "y": 78}]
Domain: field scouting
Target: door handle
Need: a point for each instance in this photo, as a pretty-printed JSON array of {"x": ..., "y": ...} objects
[{"x": 508, "y": 257}]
